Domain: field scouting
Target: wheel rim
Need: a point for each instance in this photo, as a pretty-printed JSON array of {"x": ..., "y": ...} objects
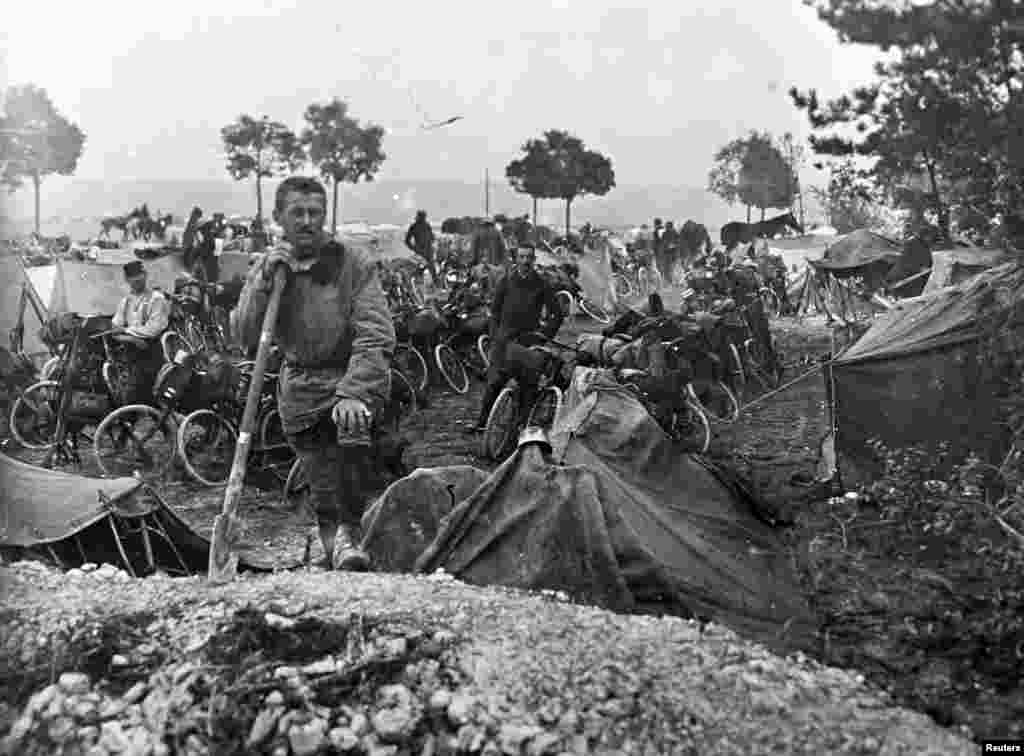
[
  {"x": 407, "y": 404},
  {"x": 171, "y": 342},
  {"x": 565, "y": 299},
  {"x": 206, "y": 444},
  {"x": 594, "y": 311},
  {"x": 451, "y": 368},
  {"x": 692, "y": 428},
  {"x": 412, "y": 365},
  {"x": 719, "y": 402},
  {"x": 278, "y": 455},
  {"x": 136, "y": 438},
  {"x": 501, "y": 423},
  {"x": 736, "y": 374},
  {"x": 546, "y": 408},
  {"x": 483, "y": 347},
  {"x": 33, "y": 419}
]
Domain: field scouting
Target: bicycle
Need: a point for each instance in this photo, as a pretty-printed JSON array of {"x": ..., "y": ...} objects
[
  {"x": 679, "y": 416},
  {"x": 465, "y": 350},
  {"x": 207, "y": 436},
  {"x": 195, "y": 323},
  {"x": 538, "y": 363}
]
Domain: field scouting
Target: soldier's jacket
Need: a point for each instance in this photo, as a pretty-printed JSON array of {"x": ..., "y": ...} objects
[{"x": 334, "y": 329}]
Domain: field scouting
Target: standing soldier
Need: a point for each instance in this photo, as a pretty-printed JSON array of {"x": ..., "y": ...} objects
[
  {"x": 420, "y": 239},
  {"x": 337, "y": 338}
]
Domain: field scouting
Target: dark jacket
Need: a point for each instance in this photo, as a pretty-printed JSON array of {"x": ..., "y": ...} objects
[
  {"x": 489, "y": 247},
  {"x": 420, "y": 238},
  {"x": 519, "y": 301}
]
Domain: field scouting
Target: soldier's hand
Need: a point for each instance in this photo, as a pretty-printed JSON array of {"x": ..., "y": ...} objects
[
  {"x": 279, "y": 254},
  {"x": 352, "y": 416}
]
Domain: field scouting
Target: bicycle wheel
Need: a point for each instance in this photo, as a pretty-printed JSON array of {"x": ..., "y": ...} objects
[
  {"x": 483, "y": 348},
  {"x": 623, "y": 288},
  {"x": 567, "y": 302},
  {"x": 135, "y": 439},
  {"x": 757, "y": 367},
  {"x": 546, "y": 408},
  {"x": 34, "y": 415},
  {"x": 49, "y": 369},
  {"x": 278, "y": 455},
  {"x": 403, "y": 394},
  {"x": 451, "y": 367},
  {"x": 171, "y": 342},
  {"x": 409, "y": 360},
  {"x": 206, "y": 445},
  {"x": 690, "y": 428},
  {"x": 294, "y": 496},
  {"x": 735, "y": 375},
  {"x": 502, "y": 424},
  {"x": 594, "y": 310},
  {"x": 716, "y": 400}
]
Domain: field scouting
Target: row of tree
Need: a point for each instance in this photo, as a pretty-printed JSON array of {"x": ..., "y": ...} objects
[{"x": 332, "y": 142}]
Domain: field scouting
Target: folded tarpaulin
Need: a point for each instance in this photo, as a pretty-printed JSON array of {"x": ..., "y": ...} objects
[
  {"x": 619, "y": 517},
  {"x": 46, "y": 508}
]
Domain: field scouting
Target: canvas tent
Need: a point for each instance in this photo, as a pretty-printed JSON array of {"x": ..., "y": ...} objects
[
  {"x": 96, "y": 289},
  {"x": 13, "y": 279},
  {"x": 615, "y": 516},
  {"x": 914, "y": 377},
  {"x": 860, "y": 253},
  {"x": 70, "y": 519},
  {"x": 954, "y": 266}
]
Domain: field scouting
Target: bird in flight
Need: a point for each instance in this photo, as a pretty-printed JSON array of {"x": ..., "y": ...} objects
[{"x": 439, "y": 124}]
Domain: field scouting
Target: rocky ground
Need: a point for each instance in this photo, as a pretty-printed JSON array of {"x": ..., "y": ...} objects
[{"x": 312, "y": 662}]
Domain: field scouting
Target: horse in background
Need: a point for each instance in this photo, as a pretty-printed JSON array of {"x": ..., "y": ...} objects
[
  {"x": 745, "y": 233},
  {"x": 150, "y": 228},
  {"x": 128, "y": 225}
]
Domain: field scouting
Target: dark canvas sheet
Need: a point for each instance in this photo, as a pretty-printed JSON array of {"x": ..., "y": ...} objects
[
  {"x": 618, "y": 517},
  {"x": 859, "y": 249}
]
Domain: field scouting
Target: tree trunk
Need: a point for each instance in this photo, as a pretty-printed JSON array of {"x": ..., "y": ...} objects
[
  {"x": 762, "y": 215},
  {"x": 568, "y": 214},
  {"x": 259, "y": 198},
  {"x": 940, "y": 209},
  {"x": 748, "y": 213},
  {"x": 535, "y": 212},
  {"x": 35, "y": 183},
  {"x": 334, "y": 210}
]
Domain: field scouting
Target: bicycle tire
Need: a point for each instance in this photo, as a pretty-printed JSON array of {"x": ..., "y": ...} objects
[
  {"x": 502, "y": 424},
  {"x": 204, "y": 478},
  {"x": 733, "y": 405},
  {"x": 550, "y": 412},
  {"x": 169, "y": 348},
  {"x": 163, "y": 461},
  {"x": 483, "y": 348},
  {"x": 737, "y": 375},
  {"x": 413, "y": 366},
  {"x": 701, "y": 439},
  {"x": 451, "y": 367},
  {"x": 623, "y": 286},
  {"x": 594, "y": 310},
  {"x": 21, "y": 404},
  {"x": 567, "y": 302}
]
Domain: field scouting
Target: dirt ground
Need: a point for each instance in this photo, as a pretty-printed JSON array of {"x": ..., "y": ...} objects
[{"x": 925, "y": 616}]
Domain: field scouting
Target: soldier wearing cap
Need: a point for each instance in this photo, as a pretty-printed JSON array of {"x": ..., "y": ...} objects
[{"x": 141, "y": 318}]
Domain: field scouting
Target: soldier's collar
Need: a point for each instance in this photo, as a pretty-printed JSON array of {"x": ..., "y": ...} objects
[{"x": 324, "y": 266}]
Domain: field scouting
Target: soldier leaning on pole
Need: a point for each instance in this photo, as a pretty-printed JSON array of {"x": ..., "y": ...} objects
[{"x": 336, "y": 334}]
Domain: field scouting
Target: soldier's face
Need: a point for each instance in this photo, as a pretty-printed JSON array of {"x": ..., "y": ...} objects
[
  {"x": 525, "y": 259},
  {"x": 302, "y": 218}
]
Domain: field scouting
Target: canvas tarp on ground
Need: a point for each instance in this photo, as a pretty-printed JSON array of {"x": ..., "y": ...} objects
[
  {"x": 914, "y": 378},
  {"x": 71, "y": 519},
  {"x": 12, "y": 279},
  {"x": 954, "y": 266},
  {"x": 617, "y": 516}
]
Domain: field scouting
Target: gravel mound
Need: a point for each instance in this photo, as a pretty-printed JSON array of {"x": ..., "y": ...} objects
[{"x": 95, "y": 662}]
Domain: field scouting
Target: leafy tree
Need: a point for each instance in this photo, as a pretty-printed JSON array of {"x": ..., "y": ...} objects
[
  {"x": 260, "y": 148},
  {"x": 944, "y": 109},
  {"x": 340, "y": 148},
  {"x": 530, "y": 173},
  {"x": 36, "y": 140},
  {"x": 560, "y": 167},
  {"x": 850, "y": 200},
  {"x": 754, "y": 171}
]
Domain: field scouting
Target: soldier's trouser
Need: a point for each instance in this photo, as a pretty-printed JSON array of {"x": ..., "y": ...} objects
[{"x": 337, "y": 475}]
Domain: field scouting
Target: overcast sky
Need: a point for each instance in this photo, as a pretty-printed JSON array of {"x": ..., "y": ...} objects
[{"x": 658, "y": 88}]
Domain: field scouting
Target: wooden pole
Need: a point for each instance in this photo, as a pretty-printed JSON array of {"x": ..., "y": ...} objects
[
  {"x": 487, "y": 193},
  {"x": 223, "y": 564}
]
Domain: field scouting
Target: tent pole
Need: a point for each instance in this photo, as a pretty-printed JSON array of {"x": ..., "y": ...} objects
[
  {"x": 55, "y": 556},
  {"x": 120, "y": 546},
  {"x": 146, "y": 543},
  {"x": 162, "y": 532},
  {"x": 81, "y": 549}
]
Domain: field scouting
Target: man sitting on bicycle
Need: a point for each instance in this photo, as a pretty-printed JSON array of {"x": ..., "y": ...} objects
[
  {"x": 519, "y": 300},
  {"x": 140, "y": 320}
]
